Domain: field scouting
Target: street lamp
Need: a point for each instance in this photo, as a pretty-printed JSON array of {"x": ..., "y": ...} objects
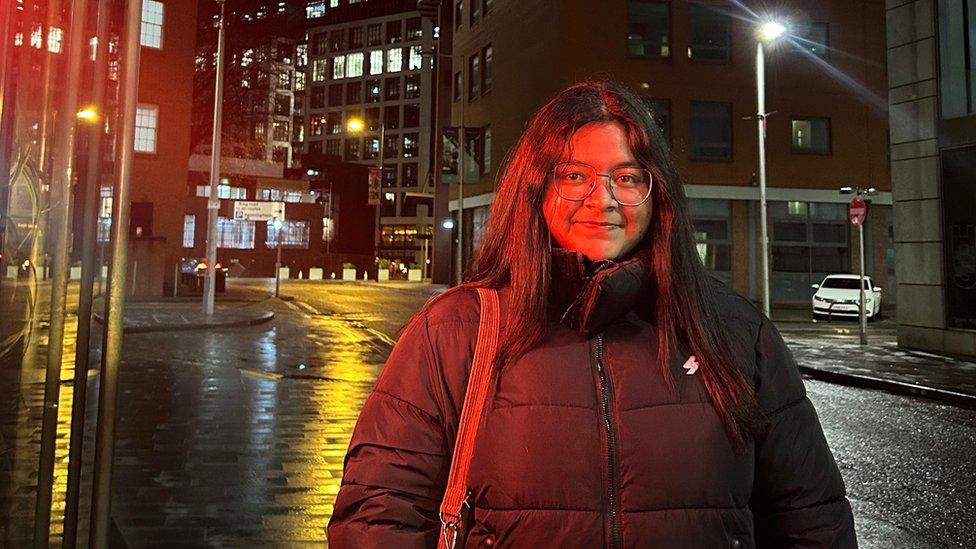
[
  {"x": 276, "y": 223},
  {"x": 358, "y": 125},
  {"x": 768, "y": 32}
]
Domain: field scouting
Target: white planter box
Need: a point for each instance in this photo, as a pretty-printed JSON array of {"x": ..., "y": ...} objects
[
  {"x": 382, "y": 275},
  {"x": 349, "y": 274},
  {"x": 75, "y": 273},
  {"x": 413, "y": 275},
  {"x": 284, "y": 272},
  {"x": 315, "y": 273}
]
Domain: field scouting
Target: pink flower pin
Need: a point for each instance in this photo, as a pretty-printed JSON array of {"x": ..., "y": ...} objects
[{"x": 691, "y": 365}]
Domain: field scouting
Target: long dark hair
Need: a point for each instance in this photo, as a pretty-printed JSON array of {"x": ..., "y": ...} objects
[{"x": 521, "y": 258}]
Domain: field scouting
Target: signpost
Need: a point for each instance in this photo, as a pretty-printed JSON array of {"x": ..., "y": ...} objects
[
  {"x": 274, "y": 214},
  {"x": 857, "y": 210}
]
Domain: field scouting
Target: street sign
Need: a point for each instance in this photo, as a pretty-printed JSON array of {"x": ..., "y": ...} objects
[
  {"x": 857, "y": 210},
  {"x": 245, "y": 210}
]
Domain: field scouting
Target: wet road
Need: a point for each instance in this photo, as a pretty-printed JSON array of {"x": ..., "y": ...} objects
[{"x": 236, "y": 437}]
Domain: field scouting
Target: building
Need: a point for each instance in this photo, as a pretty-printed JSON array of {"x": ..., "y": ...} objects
[
  {"x": 694, "y": 63},
  {"x": 366, "y": 61},
  {"x": 930, "y": 52}
]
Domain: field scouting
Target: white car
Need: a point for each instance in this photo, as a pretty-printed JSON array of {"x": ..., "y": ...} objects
[{"x": 839, "y": 296}]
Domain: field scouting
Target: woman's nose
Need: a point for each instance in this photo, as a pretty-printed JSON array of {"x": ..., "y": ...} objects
[{"x": 601, "y": 197}]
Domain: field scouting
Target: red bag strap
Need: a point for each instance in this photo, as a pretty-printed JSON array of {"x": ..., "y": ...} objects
[{"x": 479, "y": 379}]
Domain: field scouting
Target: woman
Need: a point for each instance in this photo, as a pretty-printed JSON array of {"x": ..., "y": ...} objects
[{"x": 638, "y": 403}]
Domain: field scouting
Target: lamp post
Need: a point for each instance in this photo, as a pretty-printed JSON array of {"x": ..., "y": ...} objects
[
  {"x": 768, "y": 32},
  {"x": 276, "y": 223},
  {"x": 358, "y": 125},
  {"x": 859, "y": 221},
  {"x": 213, "y": 204}
]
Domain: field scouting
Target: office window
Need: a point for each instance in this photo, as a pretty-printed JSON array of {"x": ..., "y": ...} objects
[
  {"x": 293, "y": 234},
  {"x": 409, "y": 178},
  {"x": 474, "y": 77},
  {"x": 147, "y": 126},
  {"x": 374, "y": 34},
  {"x": 486, "y": 165},
  {"x": 458, "y": 11},
  {"x": 414, "y": 29},
  {"x": 337, "y": 40},
  {"x": 373, "y": 91},
  {"x": 711, "y": 131},
  {"x": 317, "y": 124},
  {"x": 957, "y": 57},
  {"x": 648, "y": 28},
  {"x": 711, "y": 219},
  {"x": 812, "y": 38},
  {"x": 474, "y": 14},
  {"x": 335, "y": 96},
  {"x": 486, "y": 53},
  {"x": 412, "y": 86},
  {"x": 320, "y": 68},
  {"x": 354, "y": 65},
  {"x": 372, "y": 147},
  {"x": 354, "y": 93},
  {"x": 394, "y": 60},
  {"x": 457, "y": 86},
  {"x": 487, "y": 8},
  {"x": 314, "y": 9},
  {"x": 258, "y": 130},
  {"x": 415, "y": 60},
  {"x": 711, "y": 32},
  {"x": 372, "y": 119},
  {"x": 320, "y": 43},
  {"x": 235, "y": 234},
  {"x": 392, "y": 86},
  {"x": 810, "y": 135},
  {"x": 353, "y": 148},
  {"x": 189, "y": 228},
  {"x": 376, "y": 62},
  {"x": 391, "y": 147},
  {"x": 410, "y": 149},
  {"x": 281, "y": 131},
  {"x": 334, "y": 123},
  {"x": 339, "y": 67},
  {"x": 316, "y": 98},
  {"x": 411, "y": 115},
  {"x": 391, "y": 117},
  {"x": 152, "y": 24},
  {"x": 355, "y": 37},
  {"x": 394, "y": 32},
  {"x": 300, "y": 81},
  {"x": 661, "y": 110},
  {"x": 301, "y": 55},
  {"x": 333, "y": 147}
]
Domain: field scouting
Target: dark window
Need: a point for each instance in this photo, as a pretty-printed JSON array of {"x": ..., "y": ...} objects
[
  {"x": 315, "y": 148},
  {"x": 959, "y": 227},
  {"x": 812, "y": 38},
  {"x": 410, "y": 145},
  {"x": 957, "y": 58},
  {"x": 486, "y": 53},
  {"x": 795, "y": 259},
  {"x": 391, "y": 147},
  {"x": 487, "y": 8},
  {"x": 661, "y": 109},
  {"x": 319, "y": 44},
  {"x": 373, "y": 119},
  {"x": 458, "y": 11},
  {"x": 410, "y": 208},
  {"x": 474, "y": 77},
  {"x": 711, "y": 32},
  {"x": 648, "y": 28},
  {"x": 333, "y": 147},
  {"x": 373, "y": 91},
  {"x": 317, "y": 98},
  {"x": 394, "y": 32},
  {"x": 354, "y": 93},
  {"x": 414, "y": 29},
  {"x": 337, "y": 39},
  {"x": 353, "y": 148},
  {"x": 391, "y": 117},
  {"x": 282, "y": 105},
  {"x": 409, "y": 174},
  {"x": 411, "y": 115},
  {"x": 355, "y": 37},
  {"x": 374, "y": 34},
  {"x": 474, "y": 12},
  {"x": 335, "y": 95},
  {"x": 711, "y": 130},
  {"x": 457, "y": 86},
  {"x": 334, "y": 123},
  {"x": 810, "y": 135},
  {"x": 389, "y": 176},
  {"x": 388, "y": 205},
  {"x": 790, "y": 231},
  {"x": 392, "y": 88},
  {"x": 413, "y": 87}
]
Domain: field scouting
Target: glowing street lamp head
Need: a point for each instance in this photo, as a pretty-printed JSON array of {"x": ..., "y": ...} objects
[
  {"x": 771, "y": 30},
  {"x": 88, "y": 114},
  {"x": 355, "y": 125}
]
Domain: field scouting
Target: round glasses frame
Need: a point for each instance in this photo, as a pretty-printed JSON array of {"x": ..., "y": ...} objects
[{"x": 597, "y": 175}]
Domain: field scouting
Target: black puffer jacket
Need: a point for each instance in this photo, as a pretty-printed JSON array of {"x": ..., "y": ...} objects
[{"x": 583, "y": 445}]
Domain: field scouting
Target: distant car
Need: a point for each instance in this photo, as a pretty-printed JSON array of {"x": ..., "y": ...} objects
[
  {"x": 195, "y": 269},
  {"x": 839, "y": 296}
]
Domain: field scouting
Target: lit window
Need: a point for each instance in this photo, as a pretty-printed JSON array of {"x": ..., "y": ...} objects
[
  {"x": 301, "y": 55},
  {"x": 92, "y": 47},
  {"x": 293, "y": 234},
  {"x": 354, "y": 65},
  {"x": 235, "y": 233},
  {"x": 810, "y": 135},
  {"x": 37, "y": 37},
  {"x": 314, "y": 8},
  {"x": 189, "y": 228},
  {"x": 648, "y": 28},
  {"x": 415, "y": 61},
  {"x": 152, "y": 24},
  {"x": 319, "y": 68},
  {"x": 54, "y": 39},
  {"x": 338, "y": 68},
  {"x": 376, "y": 62},
  {"x": 299, "y": 81},
  {"x": 147, "y": 124},
  {"x": 394, "y": 60}
]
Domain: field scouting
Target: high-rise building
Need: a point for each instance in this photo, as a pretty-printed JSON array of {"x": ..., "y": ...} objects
[
  {"x": 694, "y": 63},
  {"x": 931, "y": 46},
  {"x": 370, "y": 61}
]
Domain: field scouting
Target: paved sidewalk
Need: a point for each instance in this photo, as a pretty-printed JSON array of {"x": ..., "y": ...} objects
[{"x": 164, "y": 316}]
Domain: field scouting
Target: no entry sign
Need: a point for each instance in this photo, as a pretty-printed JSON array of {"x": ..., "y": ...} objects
[{"x": 857, "y": 210}]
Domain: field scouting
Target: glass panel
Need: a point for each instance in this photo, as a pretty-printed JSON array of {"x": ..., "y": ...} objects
[
  {"x": 711, "y": 32},
  {"x": 648, "y": 28}
]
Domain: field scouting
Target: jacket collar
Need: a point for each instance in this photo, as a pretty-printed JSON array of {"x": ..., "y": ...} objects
[{"x": 588, "y": 296}]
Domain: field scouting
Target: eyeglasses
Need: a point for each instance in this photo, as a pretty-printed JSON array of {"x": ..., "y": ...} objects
[{"x": 629, "y": 186}]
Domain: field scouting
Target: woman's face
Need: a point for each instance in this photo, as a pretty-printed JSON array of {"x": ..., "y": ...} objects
[{"x": 598, "y": 226}]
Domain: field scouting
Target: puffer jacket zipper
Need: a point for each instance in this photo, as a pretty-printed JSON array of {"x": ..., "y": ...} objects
[{"x": 606, "y": 395}]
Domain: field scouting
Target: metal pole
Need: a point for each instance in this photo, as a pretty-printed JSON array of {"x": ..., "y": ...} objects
[
  {"x": 378, "y": 236},
  {"x": 761, "y": 122},
  {"x": 61, "y": 231},
  {"x": 278, "y": 225},
  {"x": 213, "y": 205},
  {"x": 462, "y": 140},
  {"x": 112, "y": 343},
  {"x": 90, "y": 221},
  {"x": 863, "y": 315}
]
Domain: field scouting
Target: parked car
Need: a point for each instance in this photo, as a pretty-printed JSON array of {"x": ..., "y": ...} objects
[
  {"x": 195, "y": 269},
  {"x": 838, "y": 295}
]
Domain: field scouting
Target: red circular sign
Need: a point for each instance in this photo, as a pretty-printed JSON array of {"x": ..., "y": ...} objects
[{"x": 857, "y": 210}]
